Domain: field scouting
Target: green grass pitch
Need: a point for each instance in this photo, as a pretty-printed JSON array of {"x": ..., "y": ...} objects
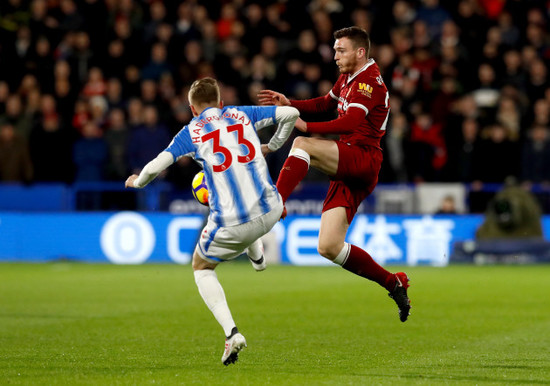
[{"x": 68, "y": 323}]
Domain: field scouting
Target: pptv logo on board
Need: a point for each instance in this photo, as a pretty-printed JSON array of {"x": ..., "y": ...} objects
[{"x": 129, "y": 238}]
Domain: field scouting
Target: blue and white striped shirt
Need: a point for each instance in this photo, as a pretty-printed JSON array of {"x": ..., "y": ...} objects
[{"x": 225, "y": 143}]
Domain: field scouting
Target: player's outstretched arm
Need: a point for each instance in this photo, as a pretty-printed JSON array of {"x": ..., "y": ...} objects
[
  {"x": 269, "y": 98},
  {"x": 285, "y": 116},
  {"x": 150, "y": 171}
]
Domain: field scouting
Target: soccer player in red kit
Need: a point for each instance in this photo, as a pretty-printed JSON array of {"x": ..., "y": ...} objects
[{"x": 352, "y": 162}]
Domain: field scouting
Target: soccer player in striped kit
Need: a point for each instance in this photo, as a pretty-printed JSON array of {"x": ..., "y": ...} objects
[
  {"x": 352, "y": 162},
  {"x": 244, "y": 202}
]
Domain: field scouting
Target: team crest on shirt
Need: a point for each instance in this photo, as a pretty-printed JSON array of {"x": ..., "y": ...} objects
[{"x": 365, "y": 89}]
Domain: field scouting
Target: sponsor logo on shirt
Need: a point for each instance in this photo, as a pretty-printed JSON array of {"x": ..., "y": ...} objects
[{"x": 365, "y": 89}]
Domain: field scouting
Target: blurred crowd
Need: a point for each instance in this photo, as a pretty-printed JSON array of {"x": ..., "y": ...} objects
[{"x": 91, "y": 90}]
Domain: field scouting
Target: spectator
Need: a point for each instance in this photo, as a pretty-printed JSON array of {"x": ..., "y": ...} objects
[
  {"x": 90, "y": 154},
  {"x": 537, "y": 81},
  {"x": 96, "y": 85},
  {"x": 65, "y": 96},
  {"x": 513, "y": 72},
  {"x": 189, "y": 65},
  {"x": 443, "y": 100},
  {"x": 116, "y": 138},
  {"x": 403, "y": 14},
  {"x": 4, "y": 95},
  {"x": 116, "y": 61},
  {"x": 535, "y": 156},
  {"x": 131, "y": 83},
  {"x": 185, "y": 28},
  {"x": 158, "y": 64},
  {"x": 394, "y": 142},
  {"x": 147, "y": 140},
  {"x": 255, "y": 26},
  {"x": 306, "y": 49},
  {"x": 41, "y": 23},
  {"x": 81, "y": 114},
  {"x": 486, "y": 93},
  {"x": 539, "y": 115},
  {"x": 509, "y": 116},
  {"x": 22, "y": 52},
  {"x": 42, "y": 63},
  {"x": 15, "y": 115},
  {"x": 122, "y": 31},
  {"x": 98, "y": 108},
  {"x": 157, "y": 13},
  {"x": 71, "y": 19},
  {"x": 50, "y": 149},
  {"x": 498, "y": 156},
  {"x": 113, "y": 95},
  {"x": 128, "y": 10},
  {"x": 428, "y": 149},
  {"x": 509, "y": 31},
  {"x": 81, "y": 57},
  {"x": 15, "y": 161},
  {"x": 434, "y": 15},
  {"x": 209, "y": 41},
  {"x": 448, "y": 205},
  {"x": 462, "y": 152},
  {"x": 473, "y": 27},
  {"x": 135, "y": 113}
]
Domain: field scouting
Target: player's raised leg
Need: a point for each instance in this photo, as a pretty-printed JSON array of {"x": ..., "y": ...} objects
[
  {"x": 213, "y": 295},
  {"x": 332, "y": 245},
  {"x": 320, "y": 153}
]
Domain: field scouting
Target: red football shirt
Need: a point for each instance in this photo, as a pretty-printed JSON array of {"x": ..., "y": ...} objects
[{"x": 363, "y": 107}]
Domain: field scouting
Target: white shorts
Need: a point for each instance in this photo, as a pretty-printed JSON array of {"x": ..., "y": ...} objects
[{"x": 217, "y": 244}]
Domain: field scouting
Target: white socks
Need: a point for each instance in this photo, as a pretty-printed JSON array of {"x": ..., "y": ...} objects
[
  {"x": 299, "y": 153},
  {"x": 214, "y": 297},
  {"x": 341, "y": 258}
]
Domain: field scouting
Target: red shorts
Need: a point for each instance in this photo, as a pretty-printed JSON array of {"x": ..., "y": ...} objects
[{"x": 357, "y": 175}]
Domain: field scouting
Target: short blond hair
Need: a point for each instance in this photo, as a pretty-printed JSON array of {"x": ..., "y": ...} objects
[{"x": 204, "y": 91}]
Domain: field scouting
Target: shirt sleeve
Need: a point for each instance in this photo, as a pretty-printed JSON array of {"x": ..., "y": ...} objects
[
  {"x": 345, "y": 124},
  {"x": 181, "y": 145},
  {"x": 315, "y": 105},
  {"x": 153, "y": 169},
  {"x": 286, "y": 117},
  {"x": 261, "y": 116}
]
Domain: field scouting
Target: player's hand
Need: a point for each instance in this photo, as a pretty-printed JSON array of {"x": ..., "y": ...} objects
[
  {"x": 130, "y": 181},
  {"x": 301, "y": 125},
  {"x": 266, "y": 150},
  {"x": 269, "y": 98}
]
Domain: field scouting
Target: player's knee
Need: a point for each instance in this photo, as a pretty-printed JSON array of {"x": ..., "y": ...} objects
[
  {"x": 196, "y": 264},
  {"x": 328, "y": 250},
  {"x": 199, "y": 263},
  {"x": 300, "y": 143}
]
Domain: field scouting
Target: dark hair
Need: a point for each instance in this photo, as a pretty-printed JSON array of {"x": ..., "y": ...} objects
[{"x": 358, "y": 36}]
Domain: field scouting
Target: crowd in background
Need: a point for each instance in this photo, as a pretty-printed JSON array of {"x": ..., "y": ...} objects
[{"x": 91, "y": 90}]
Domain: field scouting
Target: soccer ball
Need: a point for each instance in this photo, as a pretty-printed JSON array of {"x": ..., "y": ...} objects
[{"x": 199, "y": 188}]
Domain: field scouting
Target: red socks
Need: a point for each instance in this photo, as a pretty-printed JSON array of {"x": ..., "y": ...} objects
[
  {"x": 362, "y": 264},
  {"x": 358, "y": 261},
  {"x": 293, "y": 171}
]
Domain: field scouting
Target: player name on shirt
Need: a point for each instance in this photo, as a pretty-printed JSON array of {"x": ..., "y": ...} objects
[{"x": 199, "y": 124}]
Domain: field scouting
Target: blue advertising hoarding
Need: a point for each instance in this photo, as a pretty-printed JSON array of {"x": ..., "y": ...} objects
[{"x": 135, "y": 238}]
